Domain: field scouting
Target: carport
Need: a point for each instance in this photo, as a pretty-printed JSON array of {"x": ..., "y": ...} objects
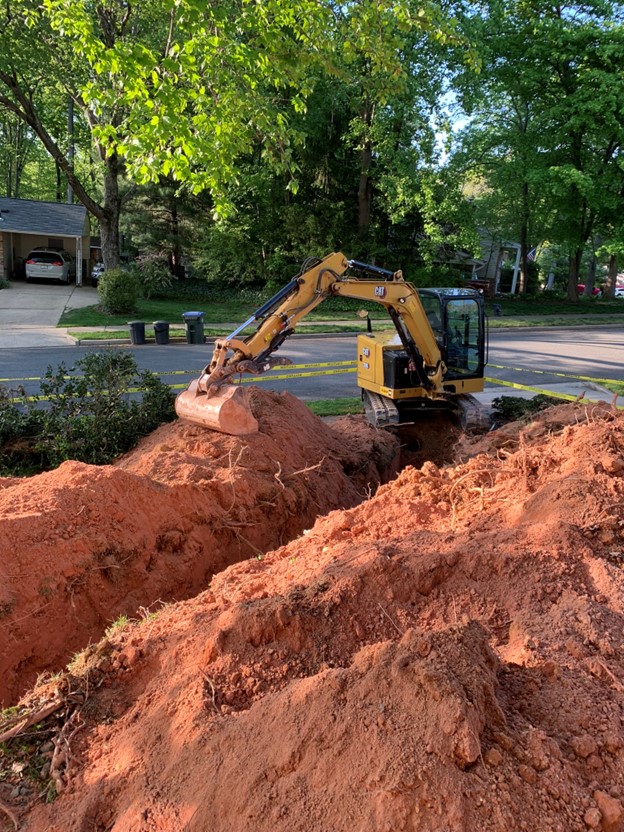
[{"x": 26, "y": 224}]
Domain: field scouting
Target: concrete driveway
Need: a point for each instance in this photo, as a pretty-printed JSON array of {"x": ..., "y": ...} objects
[{"x": 29, "y": 312}]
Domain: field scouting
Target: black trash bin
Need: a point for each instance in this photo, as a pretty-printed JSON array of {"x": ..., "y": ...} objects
[
  {"x": 161, "y": 332},
  {"x": 137, "y": 332},
  {"x": 194, "y": 327}
]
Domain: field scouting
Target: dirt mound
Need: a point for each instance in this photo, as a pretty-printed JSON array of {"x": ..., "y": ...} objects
[
  {"x": 447, "y": 655},
  {"x": 82, "y": 545}
]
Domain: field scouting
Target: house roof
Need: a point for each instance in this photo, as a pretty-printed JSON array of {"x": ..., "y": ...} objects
[{"x": 29, "y": 216}]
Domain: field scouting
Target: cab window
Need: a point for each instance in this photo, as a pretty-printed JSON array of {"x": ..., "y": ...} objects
[
  {"x": 433, "y": 311},
  {"x": 462, "y": 336}
]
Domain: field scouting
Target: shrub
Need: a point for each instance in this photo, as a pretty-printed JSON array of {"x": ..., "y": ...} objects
[
  {"x": 228, "y": 259},
  {"x": 88, "y": 415},
  {"x": 513, "y": 408},
  {"x": 19, "y": 429},
  {"x": 119, "y": 291},
  {"x": 154, "y": 274}
]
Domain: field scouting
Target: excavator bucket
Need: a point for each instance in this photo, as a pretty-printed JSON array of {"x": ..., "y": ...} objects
[{"x": 225, "y": 409}]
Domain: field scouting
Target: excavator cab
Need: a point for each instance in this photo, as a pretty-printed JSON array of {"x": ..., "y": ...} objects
[
  {"x": 394, "y": 389},
  {"x": 460, "y": 332}
]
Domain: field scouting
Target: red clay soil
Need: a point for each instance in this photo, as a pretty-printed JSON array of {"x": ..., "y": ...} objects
[
  {"x": 448, "y": 655},
  {"x": 82, "y": 545}
]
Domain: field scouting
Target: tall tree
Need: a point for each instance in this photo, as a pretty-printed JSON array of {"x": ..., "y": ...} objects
[
  {"x": 393, "y": 55},
  {"x": 16, "y": 148},
  {"x": 166, "y": 87},
  {"x": 549, "y": 108}
]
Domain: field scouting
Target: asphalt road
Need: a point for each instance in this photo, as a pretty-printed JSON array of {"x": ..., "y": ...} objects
[{"x": 595, "y": 352}]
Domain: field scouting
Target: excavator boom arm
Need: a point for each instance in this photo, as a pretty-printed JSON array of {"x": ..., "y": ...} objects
[{"x": 298, "y": 298}]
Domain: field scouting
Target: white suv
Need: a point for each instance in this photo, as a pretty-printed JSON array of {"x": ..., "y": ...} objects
[{"x": 50, "y": 264}]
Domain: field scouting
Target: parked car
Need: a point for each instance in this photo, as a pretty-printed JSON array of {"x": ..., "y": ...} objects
[
  {"x": 596, "y": 292},
  {"x": 619, "y": 291},
  {"x": 98, "y": 269},
  {"x": 96, "y": 272},
  {"x": 50, "y": 264}
]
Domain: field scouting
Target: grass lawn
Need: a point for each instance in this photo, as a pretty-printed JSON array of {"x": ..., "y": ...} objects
[
  {"x": 515, "y": 312},
  {"x": 158, "y": 310},
  {"x": 520, "y": 306},
  {"x": 614, "y": 387},
  {"x": 336, "y": 407}
]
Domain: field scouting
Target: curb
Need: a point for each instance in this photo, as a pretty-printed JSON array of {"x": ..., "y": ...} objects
[{"x": 209, "y": 339}]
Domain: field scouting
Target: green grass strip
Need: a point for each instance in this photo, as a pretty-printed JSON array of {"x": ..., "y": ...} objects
[{"x": 336, "y": 407}]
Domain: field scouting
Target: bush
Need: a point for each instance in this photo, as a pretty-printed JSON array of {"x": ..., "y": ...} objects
[
  {"x": 154, "y": 275},
  {"x": 197, "y": 290},
  {"x": 88, "y": 415},
  {"x": 19, "y": 429},
  {"x": 506, "y": 278},
  {"x": 228, "y": 259},
  {"x": 514, "y": 408},
  {"x": 119, "y": 291}
]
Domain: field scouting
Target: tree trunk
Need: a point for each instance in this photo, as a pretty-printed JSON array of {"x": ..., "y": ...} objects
[
  {"x": 591, "y": 277},
  {"x": 71, "y": 145},
  {"x": 524, "y": 238},
  {"x": 365, "y": 187},
  {"x": 9, "y": 177},
  {"x": 111, "y": 212},
  {"x": 609, "y": 289},
  {"x": 573, "y": 274},
  {"x": 365, "y": 191},
  {"x": 21, "y": 154},
  {"x": 59, "y": 192},
  {"x": 176, "y": 251},
  {"x": 109, "y": 238}
]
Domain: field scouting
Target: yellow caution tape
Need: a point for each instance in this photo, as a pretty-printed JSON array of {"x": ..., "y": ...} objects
[
  {"x": 539, "y": 391},
  {"x": 290, "y": 367},
  {"x": 351, "y": 367},
  {"x": 558, "y": 375},
  {"x": 32, "y": 378},
  {"x": 274, "y": 377},
  {"x": 322, "y": 364},
  {"x": 277, "y": 377},
  {"x": 247, "y": 380},
  {"x": 195, "y": 372}
]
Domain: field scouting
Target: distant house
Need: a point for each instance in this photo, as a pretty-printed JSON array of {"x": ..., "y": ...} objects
[
  {"x": 484, "y": 271},
  {"x": 26, "y": 224},
  {"x": 494, "y": 254}
]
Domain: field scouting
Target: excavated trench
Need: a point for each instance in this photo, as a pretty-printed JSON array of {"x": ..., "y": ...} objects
[{"x": 446, "y": 654}]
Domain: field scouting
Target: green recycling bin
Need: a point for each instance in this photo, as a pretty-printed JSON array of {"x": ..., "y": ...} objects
[{"x": 194, "y": 327}]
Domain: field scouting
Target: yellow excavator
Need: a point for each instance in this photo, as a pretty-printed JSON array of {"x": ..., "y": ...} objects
[{"x": 433, "y": 360}]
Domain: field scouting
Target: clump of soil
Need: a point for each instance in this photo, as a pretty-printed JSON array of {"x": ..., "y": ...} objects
[
  {"x": 447, "y": 655},
  {"x": 82, "y": 545}
]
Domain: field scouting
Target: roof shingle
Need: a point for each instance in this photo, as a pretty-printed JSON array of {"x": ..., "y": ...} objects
[{"x": 29, "y": 216}]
